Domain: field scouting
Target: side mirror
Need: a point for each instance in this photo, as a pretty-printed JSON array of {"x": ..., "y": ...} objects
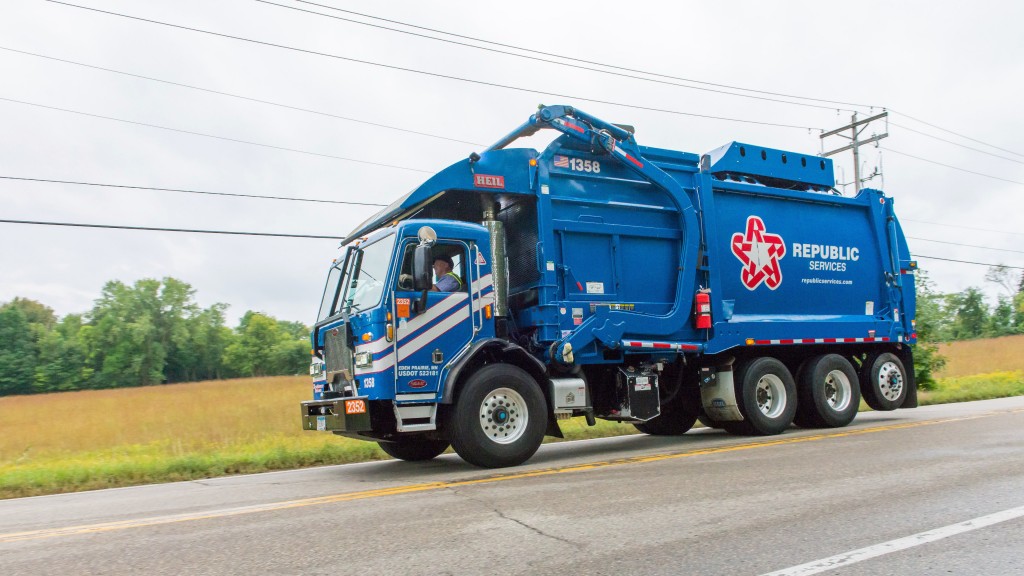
[{"x": 423, "y": 271}]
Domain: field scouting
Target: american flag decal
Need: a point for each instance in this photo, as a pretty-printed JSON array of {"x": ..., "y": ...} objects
[{"x": 561, "y": 161}]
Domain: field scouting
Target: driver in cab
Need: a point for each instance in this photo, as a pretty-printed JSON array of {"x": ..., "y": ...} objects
[{"x": 447, "y": 280}]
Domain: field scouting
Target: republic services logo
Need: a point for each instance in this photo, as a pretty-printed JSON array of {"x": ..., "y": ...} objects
[{"x": 760, "y": 253}]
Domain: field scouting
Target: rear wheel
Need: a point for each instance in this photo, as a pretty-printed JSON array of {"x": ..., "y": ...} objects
[
  {"x": 883, "y": 382},
  {"x": 414, "y": 448},
  {"x": 766, "y": 396},
  {"x": 499, "y": 417},
  {"x": 828, "y": 391}
]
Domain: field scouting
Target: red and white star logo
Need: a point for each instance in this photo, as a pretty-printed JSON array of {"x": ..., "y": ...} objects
[{"x": 760, "y": 253}]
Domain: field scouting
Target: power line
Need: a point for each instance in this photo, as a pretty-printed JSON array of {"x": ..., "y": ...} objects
[
  {"x": 968, "y": 262},
  {"x": 352, "y": 203},
  {"x": 381, "y": 164},
  {"x": 965, "y": 245},
  {"x": 951, "y": 166},
  {"x": 956, "y": 143},
  {"x": 241, "y": 97},
  {"x": 309, "y": 236},
  {"x": 152, "y": 229},
  {"x": 475, "y": 39},
  {"x": 436, "y": 74},
  {"x": 535, "y": 58},
  {"x": 562, "y": 56},
  {"x": 959, "y": 226},
  {"x": 77, "y": 183},
  {"x": 956, "y": 133}
]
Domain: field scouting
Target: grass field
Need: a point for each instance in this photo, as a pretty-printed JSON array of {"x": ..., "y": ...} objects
[
  {"x": 970, "y": 357},
  {"x": 98, "y": 439}
]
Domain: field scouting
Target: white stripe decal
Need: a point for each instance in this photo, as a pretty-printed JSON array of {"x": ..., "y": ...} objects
[
  {"x": 432, "y": 313},
  {"x": 482, "y": 283},
  {"x": 409, "y": 347},
  {"x": 379, "y": 345},
  {"x": 459, "y": 316},
  {"x": 440, "y": 308},
  {"x": 841, "y": 560}
]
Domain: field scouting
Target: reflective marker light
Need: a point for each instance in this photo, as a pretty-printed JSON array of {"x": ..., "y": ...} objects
[
  {"x": 368, "y": 336},
  {"x": 750, "y": 341}
]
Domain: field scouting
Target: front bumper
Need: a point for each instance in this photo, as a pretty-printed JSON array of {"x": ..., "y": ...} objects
[{"x": 337, "y": 415}]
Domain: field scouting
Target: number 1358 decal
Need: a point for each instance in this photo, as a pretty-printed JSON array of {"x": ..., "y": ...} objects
[
  {"x": 585, "y": 165},
  {"x": 577, "y": 164}
]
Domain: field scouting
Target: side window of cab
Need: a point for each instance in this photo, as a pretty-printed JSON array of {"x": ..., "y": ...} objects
[{"x": 442, "y": 252}]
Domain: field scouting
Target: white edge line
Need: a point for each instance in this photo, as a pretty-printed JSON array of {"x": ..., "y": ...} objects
[{"x": 854, "y": 556}]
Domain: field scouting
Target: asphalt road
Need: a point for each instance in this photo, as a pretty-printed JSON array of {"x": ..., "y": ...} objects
[{"x": 891, "y": 494}]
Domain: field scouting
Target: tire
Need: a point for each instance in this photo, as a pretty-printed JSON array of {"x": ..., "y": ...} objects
[
  {"x": 708, "y": 421},
  {"x": 414, "y": 448},
  {"x": 828, "y": 392},
  {"x": 499, "y": 417},
  {"x": 883, "y": 382},
  {"x": 766, "y": 396},
  {"x": 671, "y": 422}
]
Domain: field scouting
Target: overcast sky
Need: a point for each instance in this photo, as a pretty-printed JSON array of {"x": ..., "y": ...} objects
[{"x": 958, "y": 66}]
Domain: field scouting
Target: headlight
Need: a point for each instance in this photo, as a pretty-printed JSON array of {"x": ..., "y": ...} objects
[
  {"x": 364, "y": 359},
  {"x": 316, "y": 368}
]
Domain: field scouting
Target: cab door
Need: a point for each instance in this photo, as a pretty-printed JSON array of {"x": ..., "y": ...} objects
[{"x": 428, "y": 339}]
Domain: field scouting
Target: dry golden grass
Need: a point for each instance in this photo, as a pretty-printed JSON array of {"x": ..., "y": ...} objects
[
  {"x": 969, "y": 357},
  {"x": 97, "y": 439},
  {"x": 185, "y": 417}
]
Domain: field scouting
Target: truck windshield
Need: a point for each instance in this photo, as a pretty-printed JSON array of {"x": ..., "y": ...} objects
[
  {"x": 331, "y": 289},
  {"x": 363, "y": 284}
]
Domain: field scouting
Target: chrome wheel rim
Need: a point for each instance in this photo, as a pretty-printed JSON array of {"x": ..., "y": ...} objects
[
  {"x": 838, "y": 390},
  {"x": 890, "y": 381},
  {"x": 504, "y": 416},
  {"x": 770, "y": 395}
]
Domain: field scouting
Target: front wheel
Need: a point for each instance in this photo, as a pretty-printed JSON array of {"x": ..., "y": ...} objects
[
  {"x": 414, "y": 448},
  {"x": 499, "y": 418}
]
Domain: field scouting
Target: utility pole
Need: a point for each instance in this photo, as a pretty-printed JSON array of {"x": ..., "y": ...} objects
[{"x": 855, "y": 144}]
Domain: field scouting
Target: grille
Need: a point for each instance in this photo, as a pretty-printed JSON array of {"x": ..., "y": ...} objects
[
  {"x": 520, "y": 221},
  {"x": 337, "y": 353}
]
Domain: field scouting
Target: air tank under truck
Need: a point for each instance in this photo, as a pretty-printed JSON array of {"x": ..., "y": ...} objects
[{"x": 604, "y": 279}]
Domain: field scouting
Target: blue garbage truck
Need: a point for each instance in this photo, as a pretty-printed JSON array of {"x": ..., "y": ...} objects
[{"x": 604, "y": 279}]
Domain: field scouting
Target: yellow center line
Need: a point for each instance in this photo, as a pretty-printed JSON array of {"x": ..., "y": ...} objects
[{"x": 430, "y": 486}]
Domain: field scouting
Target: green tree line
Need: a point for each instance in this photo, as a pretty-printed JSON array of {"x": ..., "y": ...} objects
[
  {"x": 152, "y": 332},
  {"x": 965, "y": 315}
]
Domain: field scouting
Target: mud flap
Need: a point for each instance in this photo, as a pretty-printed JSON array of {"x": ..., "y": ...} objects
[
  {"x": 553, "y": 428},
  {"x": 906, "y": 355}
]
